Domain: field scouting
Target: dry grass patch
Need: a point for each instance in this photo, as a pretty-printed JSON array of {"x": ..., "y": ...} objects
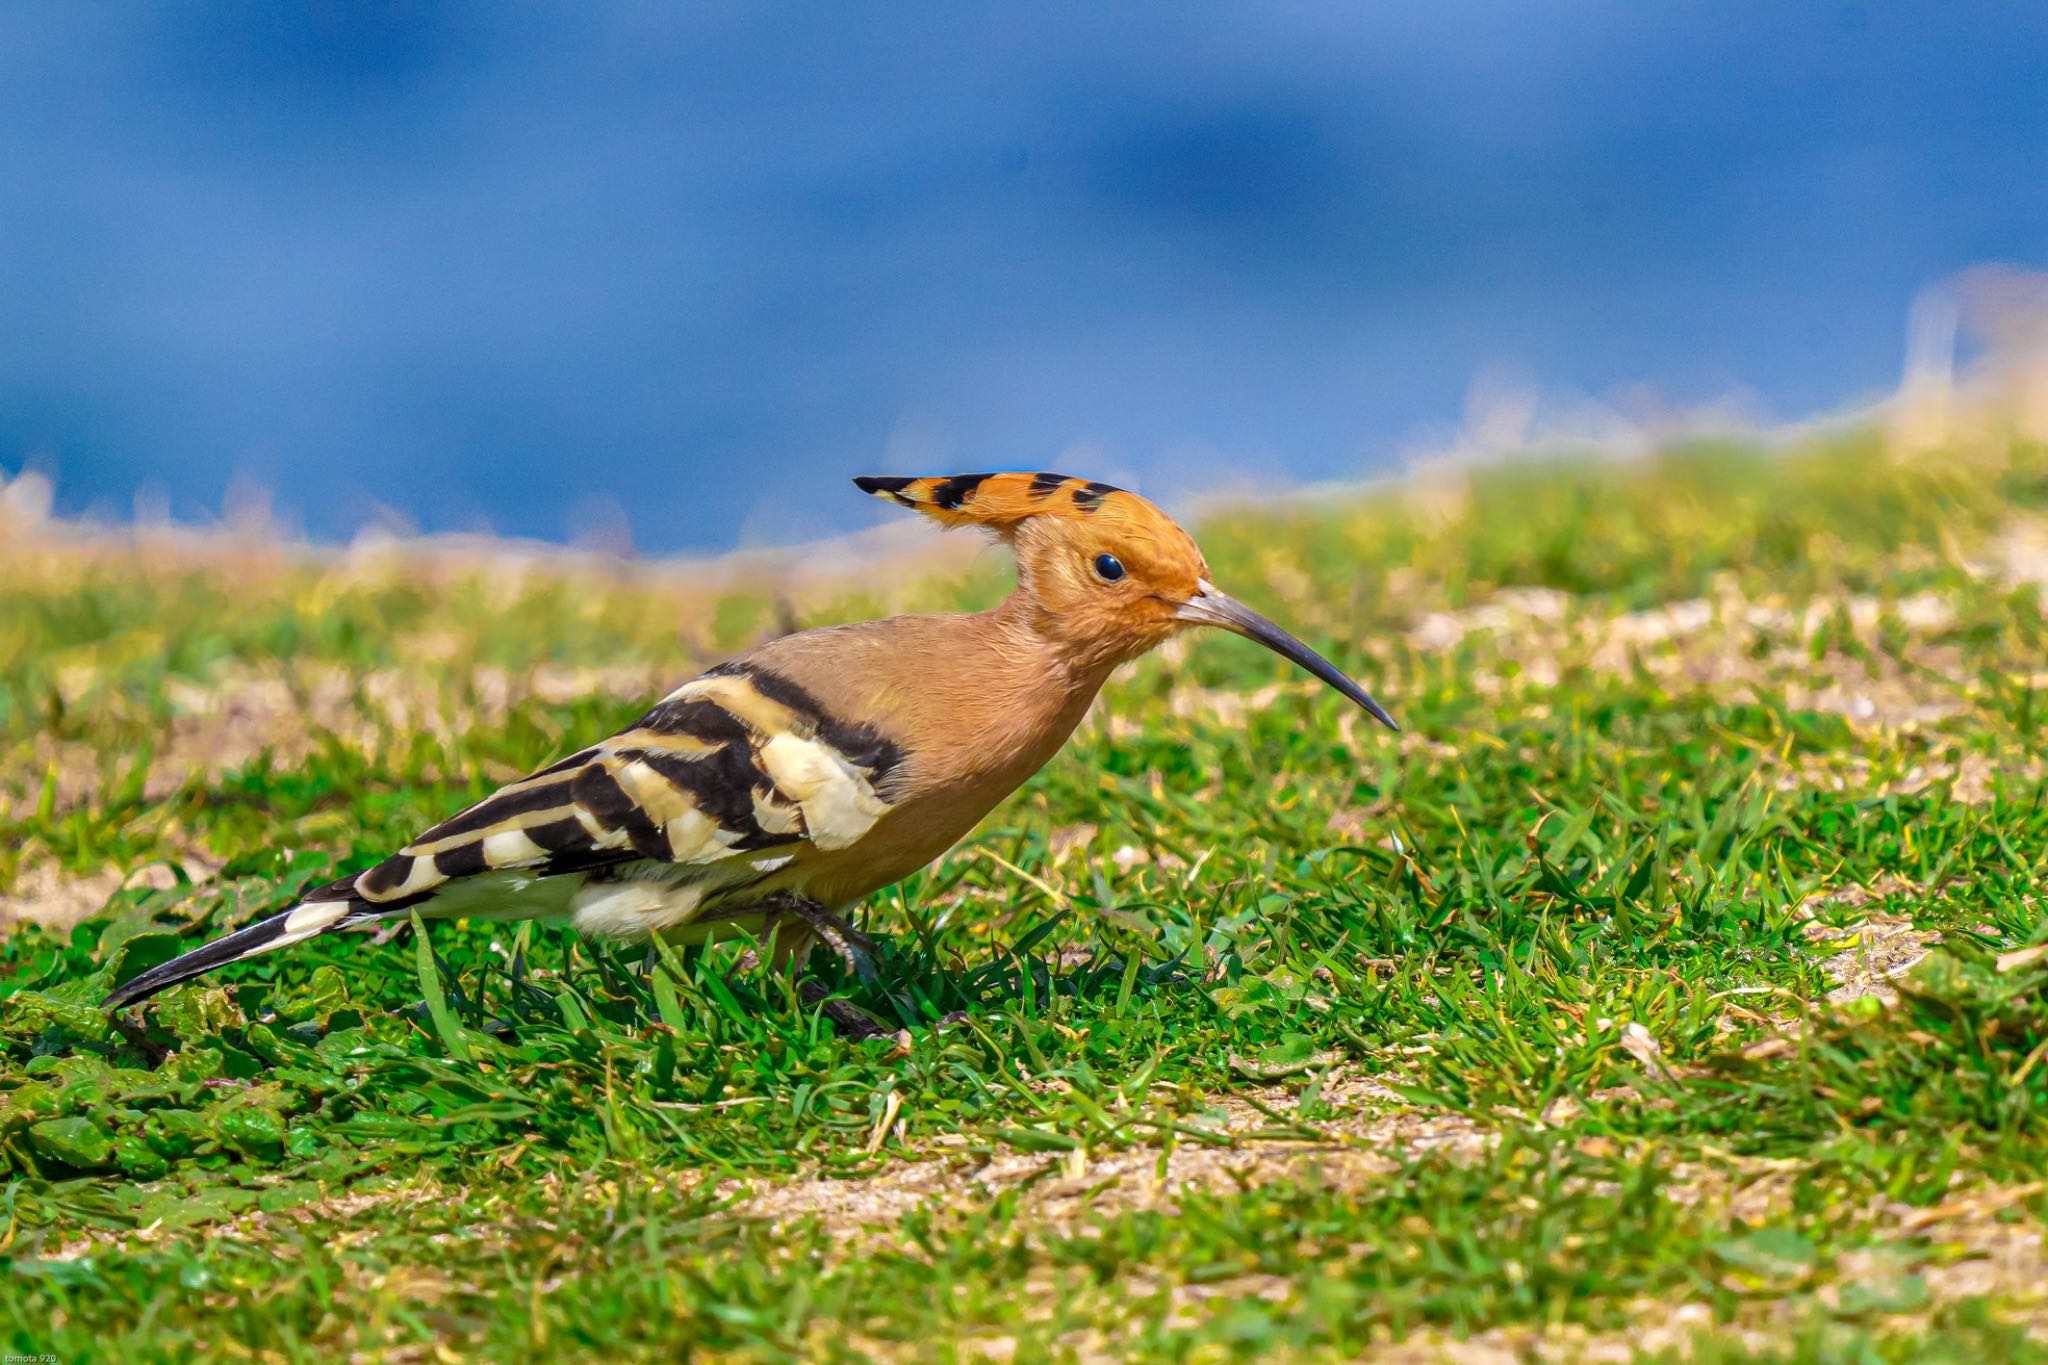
[{"x": 1065, "y": 1186}]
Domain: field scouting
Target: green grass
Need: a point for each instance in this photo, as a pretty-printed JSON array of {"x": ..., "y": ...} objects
[{"x": 1242, "y": 1031}]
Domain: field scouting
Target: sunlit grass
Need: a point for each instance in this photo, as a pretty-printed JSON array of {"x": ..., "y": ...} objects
[{"x": 1665, "y": 720}]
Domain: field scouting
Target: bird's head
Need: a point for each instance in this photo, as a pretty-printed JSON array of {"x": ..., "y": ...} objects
[{"x": 1102, "y": 570}]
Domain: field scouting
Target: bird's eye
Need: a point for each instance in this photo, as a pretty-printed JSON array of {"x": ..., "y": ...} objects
[{"x": 1108, "y": 568}]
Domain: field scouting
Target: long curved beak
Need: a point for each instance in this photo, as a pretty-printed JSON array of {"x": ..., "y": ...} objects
[{"x": 1211, "y": 607}]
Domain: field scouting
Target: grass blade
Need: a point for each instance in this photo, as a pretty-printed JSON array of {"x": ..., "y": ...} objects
[{"x": 437, "y": 999}]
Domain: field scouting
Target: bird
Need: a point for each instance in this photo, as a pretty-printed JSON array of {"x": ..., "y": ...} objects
[{"x": 771, "y": 794}]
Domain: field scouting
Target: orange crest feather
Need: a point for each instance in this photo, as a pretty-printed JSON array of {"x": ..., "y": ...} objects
[{"x": 998, "y": 501}]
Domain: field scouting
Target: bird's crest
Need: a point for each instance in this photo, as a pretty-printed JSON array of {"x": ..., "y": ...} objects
[{"x": 1000, "y": 501}]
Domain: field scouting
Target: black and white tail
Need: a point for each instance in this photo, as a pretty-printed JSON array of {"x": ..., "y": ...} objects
[{"x": 295, "y": 925}]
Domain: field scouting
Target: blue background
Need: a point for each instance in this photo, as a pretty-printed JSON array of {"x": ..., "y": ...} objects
[{"x": 509, "y": 266}]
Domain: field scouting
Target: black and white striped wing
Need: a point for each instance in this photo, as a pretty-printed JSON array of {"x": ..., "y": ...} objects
[
  {"x": 728, "y": 774},
  {"x": 736, "y": 761}
]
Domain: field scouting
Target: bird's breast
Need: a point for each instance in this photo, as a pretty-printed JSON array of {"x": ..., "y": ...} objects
[
  {"x": 973, "y": 705},
  {"x": 935, "y": 810}
]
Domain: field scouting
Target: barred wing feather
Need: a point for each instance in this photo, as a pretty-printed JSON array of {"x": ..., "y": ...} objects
[{"x": 738, "y": 762}]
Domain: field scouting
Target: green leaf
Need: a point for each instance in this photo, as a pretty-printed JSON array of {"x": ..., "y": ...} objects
[
  {"x": 430, "y": 987},
  {"x": 1891, "y": 1294},
  {"x": 74, "y": 1141},
  {"x": 666, "y": 1003},
  {"x": 1292, "y": 1055},
  {"x": 1774, "y": 1253}
]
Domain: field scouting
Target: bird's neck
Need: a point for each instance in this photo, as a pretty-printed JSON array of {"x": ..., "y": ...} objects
[
  {"x": 1049, "y": 638},
  {"x": 1020, "y": 688}
]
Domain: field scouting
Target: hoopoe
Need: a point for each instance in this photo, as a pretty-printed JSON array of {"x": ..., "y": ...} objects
[{"x": 773, "y": 793}]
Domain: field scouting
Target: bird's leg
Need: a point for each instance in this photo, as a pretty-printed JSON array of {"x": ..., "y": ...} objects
[
  {"x": 820, "y": 925},
  {"x": 795, "y": 926}
]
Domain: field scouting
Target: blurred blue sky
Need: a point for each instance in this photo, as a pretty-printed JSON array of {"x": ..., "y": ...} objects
[{"x": 507, "y": 265}]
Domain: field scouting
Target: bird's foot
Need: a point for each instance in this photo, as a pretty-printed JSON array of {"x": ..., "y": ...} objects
[
  {"x": 848, "y": 1020},
  {"x": 138, "y": 1038}
]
